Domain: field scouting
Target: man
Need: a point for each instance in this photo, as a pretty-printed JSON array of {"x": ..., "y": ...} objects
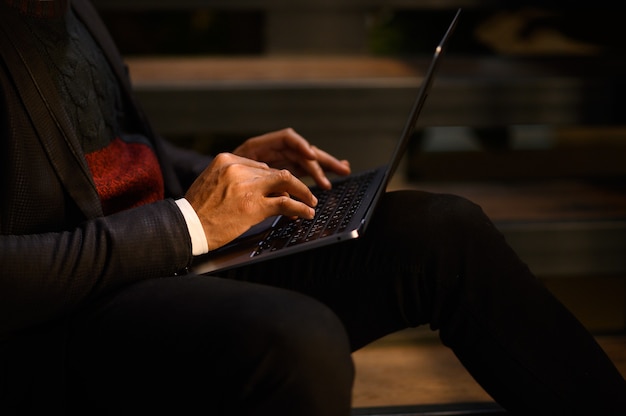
[{"x": 100, "y": 219}]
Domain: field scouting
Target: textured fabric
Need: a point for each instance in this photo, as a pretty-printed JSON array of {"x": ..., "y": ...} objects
[
  {"x": 127, "y": 175},
  {"x": 46, "y": 9},
  {"x": 51, "y": 223},
  {"x": 437, "y": 260},
  {"x": 457, "y": 275},
  {"x": 89, "y": 91},
  {"x": 47, "y": 224},
  {"x": 209, "y": 346}
]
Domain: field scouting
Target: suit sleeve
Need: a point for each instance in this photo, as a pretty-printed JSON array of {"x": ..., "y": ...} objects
[{"x": 44, "y": 276}]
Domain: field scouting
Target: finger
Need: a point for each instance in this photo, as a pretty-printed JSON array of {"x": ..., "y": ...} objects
[
  {"x": 297, "y": 143},
  {"x": 270, "y": 147},
  {"x": 223, "y": 161},
  {"x": 289, "y": 145},
  {"x": 324, "y": 163},
  {"x": 282, "y": 183},
  {"x": 230, "y": 158},
  {"x": 288, "y": 149},
  {"x": 330, "y": 163},
  {"x": 304, "y": 167},
  {"x": 290, "y": 139},
  {"x": 289, "y": 207},
  {"x": 315, "y": 171}
]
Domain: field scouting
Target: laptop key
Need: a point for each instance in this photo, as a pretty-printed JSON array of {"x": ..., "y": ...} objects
[{"x": 333, "y": 213}]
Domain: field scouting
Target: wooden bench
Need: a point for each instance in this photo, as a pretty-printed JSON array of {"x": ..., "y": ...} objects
[
  {"x": 329, "y": 85},
  {"x": 358, "y": 96}
]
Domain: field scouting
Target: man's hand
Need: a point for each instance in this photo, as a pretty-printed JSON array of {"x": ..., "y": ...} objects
[
  {"x": 286, "y": 149},
  {"x": 235, "y": 193}
]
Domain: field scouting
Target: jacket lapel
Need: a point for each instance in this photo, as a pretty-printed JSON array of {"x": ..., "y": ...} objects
[{"x": 43, "y": 104}]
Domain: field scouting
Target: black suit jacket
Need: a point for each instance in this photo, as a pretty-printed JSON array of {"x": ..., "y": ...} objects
[{"x": 57, "y": 251}]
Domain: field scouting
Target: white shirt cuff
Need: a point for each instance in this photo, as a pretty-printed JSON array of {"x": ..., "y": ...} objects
[{"x": 199, "y": 243}]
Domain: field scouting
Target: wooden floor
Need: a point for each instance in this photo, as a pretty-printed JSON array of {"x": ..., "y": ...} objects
[{"x": 413, "y": 368}]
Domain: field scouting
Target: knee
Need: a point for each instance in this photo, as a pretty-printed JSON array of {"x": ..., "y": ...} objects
[
  {"x": 304, "y": 360},
  {"x": 307, "y": 337},
  {"x": 428, "y": 217},
  {"x": 456, "y": 213}
]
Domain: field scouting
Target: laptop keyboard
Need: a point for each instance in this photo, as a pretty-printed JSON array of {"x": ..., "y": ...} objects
[{"x": 335, "y": 209}]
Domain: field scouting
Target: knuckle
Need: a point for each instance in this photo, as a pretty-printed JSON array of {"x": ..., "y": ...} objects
[
  {"x": 228, "y": 170},
  {"x": 234, "y": 170},
  {"x": 283, "y": 202},
  {"x": 222, "y": 158},
  {"x": 284, "y": 175}
]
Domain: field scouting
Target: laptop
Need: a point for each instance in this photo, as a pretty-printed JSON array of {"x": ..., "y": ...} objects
[{"x": 343, "y": 212}]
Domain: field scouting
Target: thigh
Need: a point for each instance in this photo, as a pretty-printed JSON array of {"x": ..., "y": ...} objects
[
  {"x": 198, "y": 344},
  {"x": 376, "y": 284},
  {"x": 437, "y": 259}
]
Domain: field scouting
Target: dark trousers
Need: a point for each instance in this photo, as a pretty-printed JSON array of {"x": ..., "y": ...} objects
[{"x": 241, "y": 344}]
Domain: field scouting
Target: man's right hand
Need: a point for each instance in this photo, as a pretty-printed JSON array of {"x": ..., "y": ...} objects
[{"x": 234, "y": 193}]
